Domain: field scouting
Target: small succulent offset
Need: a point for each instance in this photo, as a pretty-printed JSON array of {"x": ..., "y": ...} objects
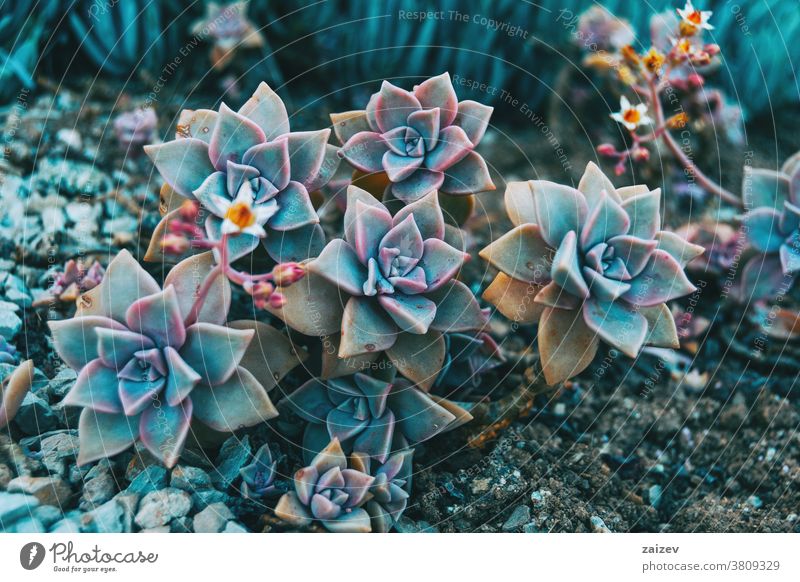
[
  {"x": 772, "y": 227},
  {"x": 368, "y": 415},
  {"x": 423, "y": 140},
  {"x": 396, "y": 287},
  {"x": 390, "y": 490},
  {"x": 258, "y": 477},
  {"x": 588, "y": 264},
  {"x": 329, "y": 492},
  {"x": 248, "y": 169},
  {"x": 75, "y": 279},
  {"x": 136, "y": 128},
  {"x": 148, "y": 360}
]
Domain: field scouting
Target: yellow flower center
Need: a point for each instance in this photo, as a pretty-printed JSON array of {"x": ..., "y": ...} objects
[
  {"x": 695, "y": 17},
  {"x": 241, "y": 215},
  {"x": 631, "y": 116},
  {"x": 685, "y": 46}
]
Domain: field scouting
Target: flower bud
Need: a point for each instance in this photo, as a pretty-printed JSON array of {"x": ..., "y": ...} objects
[
  {"x": 284, "y": 274},
  {"x": 641, "y": 154},
  {"x": 189, "y": 211},
  {"x": 277, "y": 300},
  {"x": 677, "y": 121},
  {"x": 606, "y": 149},
  {"x": 695, "y": 80},
  {"x": 174, "y": 244}
]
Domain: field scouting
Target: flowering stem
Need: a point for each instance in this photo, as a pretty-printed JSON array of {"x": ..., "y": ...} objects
[{"x": 690, "y": 167}]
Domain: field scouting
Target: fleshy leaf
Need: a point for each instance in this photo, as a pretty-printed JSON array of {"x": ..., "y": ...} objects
[
  {"x": 239, "y": 402},
  {"x": 566, "y": 270},
  {"x": 270, "y": 355},
  {"x": 645, "y": 214},
  {"x": 365, "y": 328},
  {"x": 661, "y": 280},
  {"x": 95, "y": 388},
  {"x": 419, "y": 357},
  {"x": 188, "y": 276},
  {"x": 272, "y": 160},
  {"x": 306, "y": 153},
  {"x": 163, "y": 430},
  {"x": 661, "y": 329},
  {"x": 441, "y": 262},
  {"x": 411, "y": 313},
  {"x": 522, "y": 254},
  {"x": 295, "y": 209},
  {"x": 457, "y": 309},
  {"x": 417, "y": 416},
  {"x": 339, "y": 264},
  {"x": 183, "y": 163},
  {"x": 438, "y": 92},
  {"x": 364, "y": 151},
  {"x": 349, "y": 123},
  {"x": 567, "y": 346},
  {"x": 427, "y": 214},
  {"x": 593, "y": 183},
  {"x": 473, "y": 118},
  {"x": 559, "y": 209},
  {"x": 417, "y": 185},
  {"x": 618, "y": 324},
  {"x": 519, "y": 203},
  {"x": 104, "y": 435},
  {"x": 76, "y": 339},
  {"x": 266, "y": 108},
  {"x": 214, "y": 351},
  {"x": 762, "y": 229},
  {"x": 470, "y": 175},
  {"x": 453, "y": 145},
  {"x": 393, "y": 106},
  {"x": 313, "y": 306},
  {"x": 158, "y": 317},
  {"x": 233, "y": 135},
  {"x": 514, "y": 299},
  {"x": 764, "y": 188}
]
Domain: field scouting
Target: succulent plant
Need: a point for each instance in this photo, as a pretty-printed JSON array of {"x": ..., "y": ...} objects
[
  {"x": 329, "y": 492},
  {"x": 368, "y": 415},
  {"x": 390, "y": 490},
  {"x": 389, "y": 285},
  {"x": 588, "y": 264},
  {"x": 423, "y": 140},
  {"x": 136, "y": 128},
  {"x": 258, "y": 476},
  {"x": 75, "y": 279},
  {"x": 598, "y": 29},
  {"x": 772, "y": 227},
  {"x": 229, "y": 29},
  {"x": 467, "y": 357},
  {"x": 218, "y": 157},
  {"x": 145, "y": 369}
]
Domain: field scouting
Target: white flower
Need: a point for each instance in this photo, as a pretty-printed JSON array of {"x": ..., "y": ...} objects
[
  {"x": 241, "y": 217},
  {"x": 631, "y": 116},
  {"x": 694, "y": 17}
]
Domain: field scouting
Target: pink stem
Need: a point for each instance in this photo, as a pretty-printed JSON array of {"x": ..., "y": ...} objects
[{"x": 684, "y": 160}]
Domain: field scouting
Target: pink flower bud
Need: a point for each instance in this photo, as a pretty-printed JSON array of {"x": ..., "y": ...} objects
[
  {"x": 174, "y": 244},
  {"x": 277, "y": 300},
  {"x": 641, "y": 154},
  {"x": 695, "y": 80},
  {"x": 712, "y": 49},
  {"x": 606, "y": 149},
  {"x": 189, "y": 211},
  {"x": 284, "y": 274}
]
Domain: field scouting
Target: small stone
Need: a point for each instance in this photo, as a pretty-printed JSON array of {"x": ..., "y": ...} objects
[
  {"x": 157, "y": 529},
  {"x": 152, "y": 478},
  {"x": 58, "y": 449},
  {"x": 233, "y": 527},
  {"x": 27, "y": 525},
  {"x": 48, "y": 490},
  {"x": 70, "y": 138},
  {"x": 48, "y": 514},
  {"x": 204, "y": 498},
  {"x": 108, "y": 518},
  {"x": 598, "y": 525},
  {"x": 519, "y": 517},
  {"x": 190, "y": 479},
  {"x": 61, "y": 383},
  {"x": 531, "y": 527},
  {"x": 66, "y": 526},
  {"x": 181, "y": 525},
  {"x": 233, "y": 455},
  {"x": 755, "y": 501},
  {"x": 129, "y": 503},
  {"x": 654, "y": 494},
  {"x": 213, "y": 518},
  {"x": 15, "y": 505},
  {"x": 6, "y": 474},
  {"x": 98, "y": 489},
  {"x": 35, "y": 415},
  {"x": 10, "y": 323},
  {"x": 158, "y": 508},
  {"x": 481, "y": 485}
]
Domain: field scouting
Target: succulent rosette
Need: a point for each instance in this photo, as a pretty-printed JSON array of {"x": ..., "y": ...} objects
[
  {"x": 258, "y": 476},
  {"x": 329, "y": 492},
  {"x": 370, "y": 416},
  {"x": 772, "y": 228},
  {"x": 145, "y": 370},
  {"x": 387, "y": 286},
  {"x": 423, "y": 140},
  {"x": 390, "y": 490},
  {"x": 588, "y": 264},
  {"x": 220, "y": 157}
]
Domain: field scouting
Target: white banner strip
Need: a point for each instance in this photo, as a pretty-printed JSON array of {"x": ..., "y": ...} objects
[{"x": 389, "y": 558}]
